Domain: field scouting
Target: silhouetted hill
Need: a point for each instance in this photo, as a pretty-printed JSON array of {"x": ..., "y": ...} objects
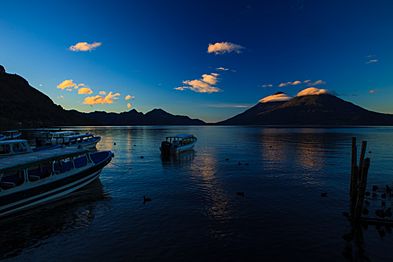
[
  {"x": 21, "y": 105},
  {"x": 323, "y": 109}
]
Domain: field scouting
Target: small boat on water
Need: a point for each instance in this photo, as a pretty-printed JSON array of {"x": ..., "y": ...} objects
[
  {"x": 29, "y": 180},
  {"x": 74, "y": 139},
  {"x": 11, "y": 134},
  {"x": 176, "y": 144}
]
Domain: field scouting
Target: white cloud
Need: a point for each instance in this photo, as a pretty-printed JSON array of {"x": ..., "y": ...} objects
[
  {"x": 222, "y": 68},
  {"x": 68, "y": 84},
  {"x": 372, "y": 61},
  {"x": 267, "y": 85},
  {"x": 293, "y": 83},
  {"x": 128, "y": 97},
  {"x": 84, "y": 46},
  {"x": 312, "y": 91},
  {"x": 129, "y": 105},
  {"x": 99, "y": 99},
  {"x": 224, "y": 47},
  {"x": 316, "y": 83},
  {"x": 203, "y": 85},
  {"x": 372, "y": 91},
  {"x": 277, "y": 97},
  {"x": 85, "y": 91},
  {"x": 102, "y": 93}
]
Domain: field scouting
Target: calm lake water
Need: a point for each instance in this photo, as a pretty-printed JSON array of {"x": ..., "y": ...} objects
[{"x": 196, "y": 214}]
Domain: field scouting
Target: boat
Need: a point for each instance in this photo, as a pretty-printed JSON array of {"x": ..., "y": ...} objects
[
  {"x": 74, "y": 139},
  {"x": 176, "y": 144},
  {"x": 38, "y": 178},
  {"x": 14, "y": 147},
  {"x": 11, "y": 134},
  {"x": 88, "y": 141}
]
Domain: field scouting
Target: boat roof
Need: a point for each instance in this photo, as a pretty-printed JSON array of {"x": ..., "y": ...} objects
[
  {"x": 13, "y": 141},
  {"x": 26, "y": 160},
  {"x": 10, "y": 131},
  {"x": 63, "y": 132},
  {"x": 80, "y": 135},
  {"x": 182, "y": 136}
]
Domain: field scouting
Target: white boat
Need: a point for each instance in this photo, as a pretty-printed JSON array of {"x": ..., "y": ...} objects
[
  {"x": 74, "y": 139},
  {"x": 176, "y": 144},
  {"x": 37, "y": 178},
  {"x": 88, "y": 141},
  {"x": 11, "y": 134},
  {"x": 14, "y": 147}
]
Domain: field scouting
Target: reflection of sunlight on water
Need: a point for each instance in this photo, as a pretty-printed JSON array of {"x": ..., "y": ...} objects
[{"x": 217, "y": 206}]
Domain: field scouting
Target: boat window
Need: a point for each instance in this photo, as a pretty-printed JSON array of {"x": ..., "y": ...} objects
[
  {"x": 63, "y": 165},
  {"x": 5, "y": 149},
  {"x": 12, "y": 179},
  {"x": 34, "y": 173},
  {"x": 80, "y": 161},
  {"x": 19, "y": 148}
]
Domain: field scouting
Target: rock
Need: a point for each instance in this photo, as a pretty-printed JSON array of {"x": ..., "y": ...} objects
[{"x": 2, "y": 70}]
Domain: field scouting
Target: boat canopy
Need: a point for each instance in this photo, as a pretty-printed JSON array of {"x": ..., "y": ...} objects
[
  {"x": 181, "y": 136},
  {"x": 79, "y": 136},
  {"x": 14, "y": 141},
  {"x": 27, "y": 160}
]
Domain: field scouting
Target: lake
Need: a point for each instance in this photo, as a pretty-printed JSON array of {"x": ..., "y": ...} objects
[{"x": 197, "y": 213}]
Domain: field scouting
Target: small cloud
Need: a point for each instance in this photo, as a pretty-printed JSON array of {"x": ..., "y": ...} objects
[
  {"x": 69, "y": 84},
  {"x": 69, "y": 89},
  {"x": 312, "y": 91},
  {"x": 61, "y": 97},
  {"x": 224, "y": 47},
  {"x": 372, "y": 61},
  {"x": 66, "y": 84},
  {"x": 277, "y": 97},
  {"x": 294, "y": 83},
  {"x": 128, "y": 97},
  {"x": 267, "y": 85},
  {"x": 316, "y": 83},
  {"x": 129, "y": 105},
  {"x": 203, "y": 85},
  {"x": 85, "y": 91},
  {"x": 84, "y": 46},
  {"x": 222, "y": 68},
  {"x": 372, "y": 91},
  {"x": 102, "y": 93},
  {"x": 99, "y": 99}
]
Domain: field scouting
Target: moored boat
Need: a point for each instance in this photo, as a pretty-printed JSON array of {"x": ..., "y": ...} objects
[
  {"x": 14, "y": 147},
  {"x": 176, "y": 144},
  {"x": 11, "y": 134},
  {"x": 88, "y": 141},
  {"x": 40, "y": 177}
]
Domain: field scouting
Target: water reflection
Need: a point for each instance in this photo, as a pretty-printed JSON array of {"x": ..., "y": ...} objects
[
  {"x": 33, "y": 227},
  {"x": 182, "y": 159}
]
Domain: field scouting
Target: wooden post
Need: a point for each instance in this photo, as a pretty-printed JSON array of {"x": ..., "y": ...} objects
[
  {"x": 362, "y": 187},
  {"x": 354, "y": 177}
]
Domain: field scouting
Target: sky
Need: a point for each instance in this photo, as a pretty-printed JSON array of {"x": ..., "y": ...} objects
[{"x": 205, "y": 59}]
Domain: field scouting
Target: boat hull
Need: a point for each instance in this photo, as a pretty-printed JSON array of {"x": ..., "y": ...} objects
[{"x": 42, "y": 194}]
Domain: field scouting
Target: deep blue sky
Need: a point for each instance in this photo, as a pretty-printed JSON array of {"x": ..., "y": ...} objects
[{"x": 150, "y": 47}]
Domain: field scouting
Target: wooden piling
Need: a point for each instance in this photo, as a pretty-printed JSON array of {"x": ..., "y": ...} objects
[
  {"x": 361, "y": 188},
  {"x": 354, "y": 177}
]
